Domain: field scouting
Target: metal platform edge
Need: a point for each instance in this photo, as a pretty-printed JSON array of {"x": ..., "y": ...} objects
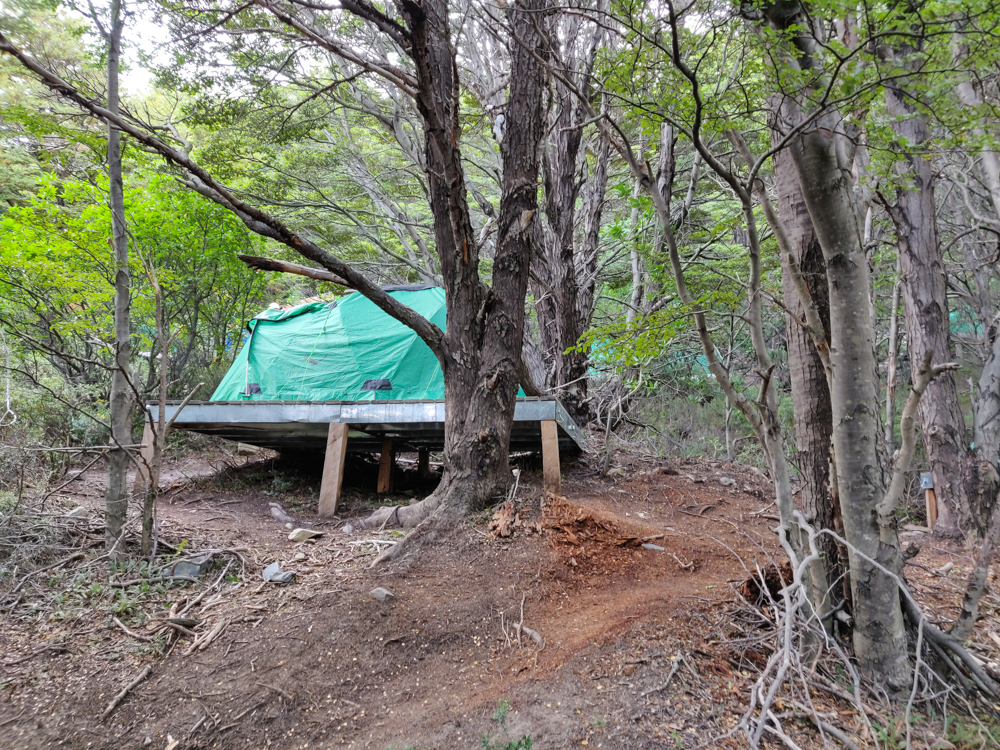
[{"x": 382, "y": 413}]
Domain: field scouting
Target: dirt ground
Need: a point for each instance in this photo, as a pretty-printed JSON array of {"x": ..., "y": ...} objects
[{"x": 321, "y": 663}]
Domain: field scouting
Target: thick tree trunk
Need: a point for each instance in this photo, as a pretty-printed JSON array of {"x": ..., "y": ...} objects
[
  {"x": 482, "y": 345},
  {"x": 879, "y": 636},
  {"x": 560, "y": 314},
  {"x": 813, "y": 412},
  {"x": 925, "y": 303},
  {"x": 116, "y": 495}
]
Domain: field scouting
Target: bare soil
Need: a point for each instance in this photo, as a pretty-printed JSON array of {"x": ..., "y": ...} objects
[{"x": 321, "y": 663}]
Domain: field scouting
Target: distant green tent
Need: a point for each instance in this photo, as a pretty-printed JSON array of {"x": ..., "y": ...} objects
[{"x": 345, "y": 350}]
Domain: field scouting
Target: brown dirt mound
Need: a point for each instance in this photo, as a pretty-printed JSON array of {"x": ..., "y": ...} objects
[{"x": 577, "y": 525}]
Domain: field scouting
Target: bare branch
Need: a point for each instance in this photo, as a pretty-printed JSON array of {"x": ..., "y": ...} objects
[{"x": 269, "y": 264}]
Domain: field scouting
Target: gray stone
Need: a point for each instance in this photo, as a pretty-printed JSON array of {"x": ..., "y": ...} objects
[
  {"x": 275, "y": 574},
  {"x": 726, "y": 481},
  {"x": 190, "y": 567},
  {"x": 301, "y": 535},
  {"x": 655, "y": 547},
  {"x": 383, "y": 595},
  {"x": 245, "y": 449},
  {"x": 77, "y": 512}
]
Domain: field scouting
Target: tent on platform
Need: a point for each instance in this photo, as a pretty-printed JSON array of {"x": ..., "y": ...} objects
[{"x": 344, "y": 350}]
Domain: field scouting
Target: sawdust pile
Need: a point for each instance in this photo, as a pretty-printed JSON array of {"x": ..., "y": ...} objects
[{"x": 575, "y": 524}]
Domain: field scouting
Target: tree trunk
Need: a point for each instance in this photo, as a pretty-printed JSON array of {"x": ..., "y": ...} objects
[
  {"x": 633, "y": 309},
  {"x": 559, "y": 315},
  {"x": 892, "y": 368},
  {"x": 813, "y": 412},
  {"x": 116, "y": 496},
  {"x": 480, "y": 353},
  {"x": 879, "y": 636},
  {"x": 482, "y": 344},
  {"x": 565, "y": 309},
  {"x": 925, "y": 304}
]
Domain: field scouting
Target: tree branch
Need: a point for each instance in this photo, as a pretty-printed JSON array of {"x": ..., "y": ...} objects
[
  {"x": 887, "y": 508},
  {"x": 281, "y": 266},
  {"x": 256, "y": 220}
]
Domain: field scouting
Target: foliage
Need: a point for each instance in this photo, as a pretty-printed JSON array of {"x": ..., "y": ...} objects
[
  {"x": 56, "y": 290},
  {"x": 500, "y": 715}
]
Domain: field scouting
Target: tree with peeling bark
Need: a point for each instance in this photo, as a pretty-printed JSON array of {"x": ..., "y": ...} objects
[
  {"x": 565, "y": 271},
  {"x": 924, "y": 282}
]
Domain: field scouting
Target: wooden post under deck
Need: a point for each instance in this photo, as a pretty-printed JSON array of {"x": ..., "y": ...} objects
[
  {"x": 550, "y": 457},
  {"x": 930, "y": 502},
  {"x": 333, "y": 469},
  {"x": 386, "y": 464},
  {"x": 424, "y": 462}
]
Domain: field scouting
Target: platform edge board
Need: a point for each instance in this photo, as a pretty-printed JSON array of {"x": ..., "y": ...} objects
[{"x": 410, "y": 420}]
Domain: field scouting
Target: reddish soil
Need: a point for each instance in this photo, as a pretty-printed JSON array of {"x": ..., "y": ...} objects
[{"x": 320, "y": 663}]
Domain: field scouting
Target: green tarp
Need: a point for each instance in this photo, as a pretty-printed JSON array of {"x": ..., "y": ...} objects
[{"x": 346, "y": 350}]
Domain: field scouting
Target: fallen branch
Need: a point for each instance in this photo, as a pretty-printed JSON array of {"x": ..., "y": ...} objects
[
  {"x": 180, "y": 629},
  {"x": 121, "y": 696},
  {"x": 137, "y": 636},
  {"x": 947, "y": 642},
  {"x": 58, "y": 649},
  {"x": 200, "y": 644},
  {"x": 683, "y": 565},
  {"x": 673, "y": 670},
  {"x": 71, "y": 558},
  {"x": 76, "y": 476},
  {"x": 520, "y": 627},
  {"x": 275, "y": 689}
]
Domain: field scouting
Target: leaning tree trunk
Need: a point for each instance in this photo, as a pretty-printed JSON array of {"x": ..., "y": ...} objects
[
  {"x": 116, "y": 496},
  {"x": 879, "y": 635},
  {"x": 812, "y": 410},
  {"x": 925, "y": 303}
]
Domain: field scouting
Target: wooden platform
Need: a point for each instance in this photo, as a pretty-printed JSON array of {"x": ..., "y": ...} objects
[{"x": 385, "y": 427}]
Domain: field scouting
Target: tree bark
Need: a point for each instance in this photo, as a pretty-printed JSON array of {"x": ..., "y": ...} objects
[
  {"x": 480, "y": 354},
  {"x": 564, "y": 309},
  {"x": 812, "y": 409},
  {"x": 482, "y": 344},
  {"x": 925, "y": 304},
  {"x": 879, "y": 635},
  {"x": 892, "y": 368},
  {"x": 116, "y": 495}
]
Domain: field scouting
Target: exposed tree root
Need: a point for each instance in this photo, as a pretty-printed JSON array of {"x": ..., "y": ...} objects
[
  {"x": 405, "y": 516},
  {"x": 429, "y": 530}
]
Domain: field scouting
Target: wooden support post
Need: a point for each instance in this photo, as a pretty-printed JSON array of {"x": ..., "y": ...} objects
[
  {"x": 424, "y": 462},
  {"x": 333, "y": 469},
  {"x": 550, "y": 457},
  {"x": 386, "y": 464},
  {"x": 930, "y": 501},
  {"x": 145, "y": 457}
]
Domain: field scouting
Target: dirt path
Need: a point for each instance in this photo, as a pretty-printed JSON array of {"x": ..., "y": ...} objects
[{"x": 320, "y": 663}]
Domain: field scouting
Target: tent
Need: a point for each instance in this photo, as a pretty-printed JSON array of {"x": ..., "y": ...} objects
[{"x": 344, "y": 350}]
